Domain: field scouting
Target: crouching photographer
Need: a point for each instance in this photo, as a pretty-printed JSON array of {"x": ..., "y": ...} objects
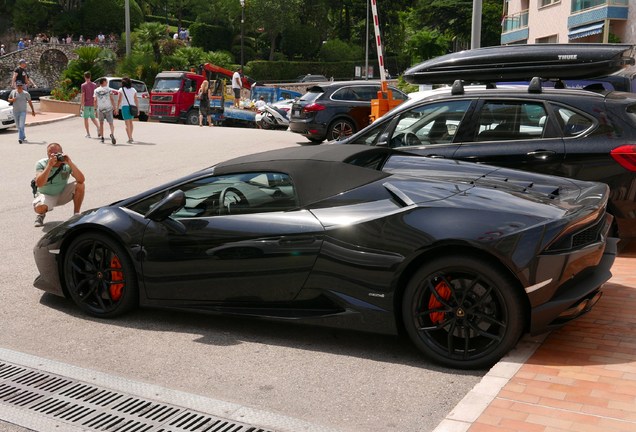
[{"x": 53, "y": 188}]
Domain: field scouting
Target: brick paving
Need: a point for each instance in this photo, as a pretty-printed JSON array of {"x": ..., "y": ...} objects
[{"x": 582, "y": 378}]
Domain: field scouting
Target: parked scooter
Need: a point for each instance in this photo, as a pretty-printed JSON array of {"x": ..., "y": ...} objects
[{"x": 271, "y": 117}]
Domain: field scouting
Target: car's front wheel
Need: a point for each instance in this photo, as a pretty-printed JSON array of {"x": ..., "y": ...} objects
[
  {"x": 99, "y": 276},
  {"x": 192, "y": 117},
  {"x": 462, "y": 312}
]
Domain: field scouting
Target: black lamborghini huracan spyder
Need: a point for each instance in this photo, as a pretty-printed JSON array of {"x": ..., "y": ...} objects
[{"x": 464, "y": 257}]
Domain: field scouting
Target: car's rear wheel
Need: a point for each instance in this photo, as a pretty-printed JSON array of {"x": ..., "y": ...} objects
[
  {"x": 316, "y": 140},
  {"x": 99, "y": 276},
  {"x": 462, "y": 312},
  {"x": 339, "y": 129}
]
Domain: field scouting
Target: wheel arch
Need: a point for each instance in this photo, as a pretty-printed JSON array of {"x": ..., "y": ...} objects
[
  {"x": 452, "y": 250},
  {"x": 88, "y": 228},
  {"x": 343, "y": 116}
]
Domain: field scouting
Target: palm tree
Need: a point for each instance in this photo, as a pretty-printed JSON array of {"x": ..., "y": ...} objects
[{"x": 151, "y": 33}]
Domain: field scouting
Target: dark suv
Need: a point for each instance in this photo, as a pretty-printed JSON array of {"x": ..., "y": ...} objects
[
  {"x": 580, "y": 134},
  {"x": 335, "y": 110}
]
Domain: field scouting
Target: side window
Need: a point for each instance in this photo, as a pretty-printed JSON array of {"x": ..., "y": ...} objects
[
  {"x": 571, "y": 122},
  {"x": 345, "y": 94},
  {"x": 366, "y": 93},
  {"x": 256, "y": 192},
  {"x": 190, "y": 86},
  {"x": 435, "y": 123},
  {"x": 505, "y": 120}
]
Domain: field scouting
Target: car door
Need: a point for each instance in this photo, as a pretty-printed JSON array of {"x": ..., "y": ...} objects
[
  {"x": 521, "y": 134},
  {"x": 355, "y": 103},
  {"x": 430, "y": 129},
  {"x": 260, "y": 250}
]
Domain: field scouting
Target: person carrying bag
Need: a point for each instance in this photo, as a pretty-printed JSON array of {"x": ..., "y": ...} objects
[{"x": 128, "y": 110}]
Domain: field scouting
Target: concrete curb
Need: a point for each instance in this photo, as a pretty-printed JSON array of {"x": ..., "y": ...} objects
[
  {"x": 49, "y": 120},
  {"x": 468, "y": 410}
]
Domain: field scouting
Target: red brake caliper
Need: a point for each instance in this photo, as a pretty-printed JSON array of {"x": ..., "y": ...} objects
[
  {"x": 116, "y": 288},
  {"x": 443, "y": 291}
]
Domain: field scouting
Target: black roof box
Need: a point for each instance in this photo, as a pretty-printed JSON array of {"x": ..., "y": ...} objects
[{"x": 523, "y": 62}]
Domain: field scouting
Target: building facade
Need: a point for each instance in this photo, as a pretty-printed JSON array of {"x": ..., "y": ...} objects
[{"x": 568, "y": 21}]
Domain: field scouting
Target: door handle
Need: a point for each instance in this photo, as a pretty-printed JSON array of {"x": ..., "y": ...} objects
[
  {"x": 541, "y": 154},
  {"x": 288, "y": 241}
]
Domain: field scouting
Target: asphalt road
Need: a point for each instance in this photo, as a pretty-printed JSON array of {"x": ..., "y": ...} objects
[{"x": 340, "y": 379}]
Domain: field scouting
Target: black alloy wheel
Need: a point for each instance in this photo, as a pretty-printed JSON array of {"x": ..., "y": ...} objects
[
  {"x": 463, "y": 313},
  {"x": 99, "y": 276},
  {"x": 340, "y": 129}
]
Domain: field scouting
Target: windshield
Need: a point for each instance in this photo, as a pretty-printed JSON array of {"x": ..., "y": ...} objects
[
  {"x": 167, "y": 85},
  {"x": 139, "y": 86}
]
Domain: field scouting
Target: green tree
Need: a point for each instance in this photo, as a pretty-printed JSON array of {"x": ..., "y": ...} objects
[
  {"x": 30, "y": 16},
  {"x": 90, "y": 59},
  {"x": 425, "y": 44},
  {"x": 454, "y": 19},
  {"x": 108, "y": 16},
  {"x": 337, "y": 50},
  {"x": 273, "y": 16},
  {"x": 152, "y": 33}
]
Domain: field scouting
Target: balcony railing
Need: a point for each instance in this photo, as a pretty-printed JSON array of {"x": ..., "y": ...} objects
[
  {"x": 580, "y": 5},
  {"x": 516, "y": 21}
]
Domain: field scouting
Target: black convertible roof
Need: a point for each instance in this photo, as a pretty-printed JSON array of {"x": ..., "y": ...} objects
[{"x": 318, "y": 172}]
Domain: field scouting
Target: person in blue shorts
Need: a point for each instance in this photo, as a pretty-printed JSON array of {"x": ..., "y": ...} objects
[
  {"x": 127, "y": 98},
  {"x": 87, "y": 102}
]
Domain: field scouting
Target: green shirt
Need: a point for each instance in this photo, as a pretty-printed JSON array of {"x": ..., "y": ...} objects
[{"x": 58, "y": 184}]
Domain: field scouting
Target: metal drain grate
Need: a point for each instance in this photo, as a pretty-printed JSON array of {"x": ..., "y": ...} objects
[{"x": 98, "y": 409}]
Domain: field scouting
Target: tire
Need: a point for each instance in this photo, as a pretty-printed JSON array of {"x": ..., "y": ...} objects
[
  {"x": 463, "y": 313},
  {"x": 192, "y": 118},
  {"x": 143, "y": 117},
  {"x": 99, "y": 276},
  {"x": 340, "y": 128},
  {"x": 315, "y": 140}
]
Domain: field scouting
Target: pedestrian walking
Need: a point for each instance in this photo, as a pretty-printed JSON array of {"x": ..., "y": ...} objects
[
  {"x": 20, "y": 98},
  {"x": 204, "y": 96},
  {"x": 2, "y": 51},
  {"x": 21, "y": 44},
  {"x": 127, "y": 105},
  {"x": 105, "y": 107},
  {"x": 21, "y": 74},
  {"x": 51, "y": 179},
  {"x": 87, "y": 103}
]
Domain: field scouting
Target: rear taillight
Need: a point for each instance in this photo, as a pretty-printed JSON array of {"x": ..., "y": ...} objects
[
  {"x": 314, "y": 107},
  {"x": 114, "y": 92},
  {"x": 625, "y": 155},
  {"x": 145, "y": 95}
]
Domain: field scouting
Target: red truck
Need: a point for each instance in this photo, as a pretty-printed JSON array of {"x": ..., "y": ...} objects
[{"x": 172, "y": 99}]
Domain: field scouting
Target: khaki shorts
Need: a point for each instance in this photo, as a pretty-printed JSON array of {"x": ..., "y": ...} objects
[
  {"x": 52, "y": 201},
  {"x": 105, "y": 115}
]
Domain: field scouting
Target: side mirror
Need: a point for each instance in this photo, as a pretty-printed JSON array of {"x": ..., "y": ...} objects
[{"x": 167, "y": 206}]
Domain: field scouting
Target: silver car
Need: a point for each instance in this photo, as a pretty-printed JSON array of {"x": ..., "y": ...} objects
[{"x": 143, "y": 96}]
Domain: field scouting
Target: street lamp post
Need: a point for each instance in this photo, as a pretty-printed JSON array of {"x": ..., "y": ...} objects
[{"x": 242, "y": 27}]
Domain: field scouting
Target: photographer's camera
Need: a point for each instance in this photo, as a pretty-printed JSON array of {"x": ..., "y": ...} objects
[{"x": 59, "y": 157}]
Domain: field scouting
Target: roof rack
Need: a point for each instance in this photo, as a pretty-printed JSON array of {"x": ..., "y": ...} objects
[
  {"x": 457, "y": 88},
  {"x": 535, "y": 85}
]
